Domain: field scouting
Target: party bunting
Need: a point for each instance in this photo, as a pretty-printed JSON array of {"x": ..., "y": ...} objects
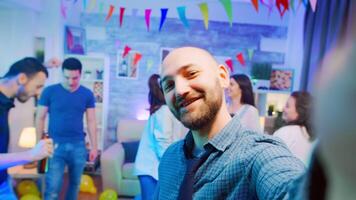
[
  {"x": 137, "y": 57},
  {"x": 255, "y": 4},
  {"x": 229, "y": 65},
  {"x": 163, "y": 17},
  {"x": 147, "y": 17},
  {"x": 101, "y": 7},
  {"x": 269, "y": 4},
  {"x": 63, "y": 10},
  {"x": 291, "y": 5},
  {"x": 305, "y": 2},
  {"x": 282, "y": 6},
  {"x": 84, "y": 4},
  {"x": 92, "y": 5},
  {"x": 228, "y": 9},
  {"x": 240, "y": 58},
  {"x": 110, "y": 12},
  {"x": 313, "y": 4},
  {"x": 182, "y": 17},
  {"x": 149, "y": 65},
  {"x": 205, "y": 12},
  {"x": 127, "y": 49},
  {"x": 250, "y": 53},
  {"x": 122, "y": 11}
]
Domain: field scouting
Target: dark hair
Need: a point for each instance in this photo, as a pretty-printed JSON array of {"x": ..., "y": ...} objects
[
  {"x": 303, "y": 106},
  {"x": 29, "y": 66},
  {"x": 72, "y": 64},
  {"x": 246, "y": 88},
  {"x": 155, "y": 95}
]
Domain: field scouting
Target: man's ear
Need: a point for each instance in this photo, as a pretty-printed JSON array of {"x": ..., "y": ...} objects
[
  {"x": 224, "y": 76},
  {"x": 22, "y": 79}
]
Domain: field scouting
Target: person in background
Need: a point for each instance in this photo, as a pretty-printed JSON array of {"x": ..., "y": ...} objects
[
  {"x": 242, "y": 101},
  {"x": 297, "y": 134},
  {"x": 218, "y": 159},
  {"x": 161, "y": 130},
  {"x": 24, "y": 80},
  {"x": 66, "y": 103}
]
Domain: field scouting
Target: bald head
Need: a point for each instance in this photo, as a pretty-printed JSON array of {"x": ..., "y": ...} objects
[{"x": 186, "y": 56}]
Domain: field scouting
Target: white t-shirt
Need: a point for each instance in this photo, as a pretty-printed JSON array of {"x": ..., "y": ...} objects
[
  {"x": 249, "y": 117},
  {"x": 297, "y": 140},
  {"x": 161, "y": 130}
]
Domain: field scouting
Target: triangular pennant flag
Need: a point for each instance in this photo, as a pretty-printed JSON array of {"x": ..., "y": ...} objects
[
  {"x": 305, "y": 2},
  {"x": 163, "y": 17},
  {"x": 282, "y": 6},
  {"x": 134, "y": 12},
  {"x": 101, "y": 7},
  {"x": 63, "y": 10},
  {"x": 205, "y": 12},
  {"x": 240, "y": 58},
  {"x": 122, "y": 11},
  {"x": 269, "y": 4},
  {"x": 255, "y": 4},
  {"x": 127, "y": 49},
  {"x": 110, "y": 12},
  {"x": 149, "y": 65},
  {"x": 313, "y": 4},
  {"x": 137, "y": 57},
  {"x": 92, "y": 5},
  {"x": 84, "y": 4},
  {"x": 250, "y": 53},
  {"x": 228, "y": 9},
  {"x": 229, "y": 65},
  {"x": 291, "y": 5},
  {"x": 182, "y": 17},
  {"x": 148, "y": 17},
  {"x": 117, "y": 43}
]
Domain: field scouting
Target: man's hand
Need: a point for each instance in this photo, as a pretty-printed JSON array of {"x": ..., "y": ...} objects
[
  {"x": 43, "y": 149},
  {"x": 93, "y": 154}
]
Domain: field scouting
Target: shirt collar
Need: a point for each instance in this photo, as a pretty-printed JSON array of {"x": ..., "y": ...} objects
[
  {"x": 6, "y": 102},
  {"x": 220, "y": 141}
]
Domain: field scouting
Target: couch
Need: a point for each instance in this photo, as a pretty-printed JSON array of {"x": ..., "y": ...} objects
[{"x": 116, "y": 173}]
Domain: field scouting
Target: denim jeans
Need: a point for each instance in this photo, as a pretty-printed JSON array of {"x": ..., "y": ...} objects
[
  {"x": 72, "y": 154},
  {"x": 6, "y": 191},
  {"x": 148, "y": 186}
]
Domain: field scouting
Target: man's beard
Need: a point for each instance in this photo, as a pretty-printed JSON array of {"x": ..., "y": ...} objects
[
  {"x": 204, "y": 114},
  {"x": 22, "y": 96}
]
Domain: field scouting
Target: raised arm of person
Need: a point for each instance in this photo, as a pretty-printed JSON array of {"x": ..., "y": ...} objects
[
  {"x": 41, "y": 115},
  {"x": 91, "y": 123},
  {"x": 43, "y": 149}
]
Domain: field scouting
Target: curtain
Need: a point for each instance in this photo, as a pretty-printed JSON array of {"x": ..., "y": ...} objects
[{"x": 322, "y": 30}]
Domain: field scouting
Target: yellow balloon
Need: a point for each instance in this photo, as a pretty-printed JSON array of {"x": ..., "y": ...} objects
[
  {"x": 30, "y": 197},
  {"x": 27, "y": 187},
  {"x": 87, "y": 184},
  {"x": 108, "y": 194}
]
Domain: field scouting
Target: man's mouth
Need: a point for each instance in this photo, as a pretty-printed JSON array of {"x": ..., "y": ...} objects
[{"x": 187, "y": 102}]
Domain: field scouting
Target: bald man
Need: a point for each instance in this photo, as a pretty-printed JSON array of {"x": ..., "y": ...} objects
[{"x": 218, "y": 159}]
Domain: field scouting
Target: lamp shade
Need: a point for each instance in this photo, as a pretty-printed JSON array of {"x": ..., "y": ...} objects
[{"x": 28, "y": 137}]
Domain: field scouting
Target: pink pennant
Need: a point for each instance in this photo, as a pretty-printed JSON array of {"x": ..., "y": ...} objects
[
  {"x": 147, "y": 17},
  {"x": 127, "y": 49},
  {"x": 230, "y": 65},
  {"x": 240, "y": 58},
  {"x": 122, "y": 10},
  {"x": 111, "y": 11},
  {"x": 255, "y": 4},
  {"x": 282, "y": 6},
  {"x": 63, "y": 10},
  {"x": 137, "y": 58},
  {"x": 313, "y": 4}
]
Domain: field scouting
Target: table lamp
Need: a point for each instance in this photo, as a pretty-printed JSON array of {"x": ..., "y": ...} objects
[{"x": 28, "y": 140}]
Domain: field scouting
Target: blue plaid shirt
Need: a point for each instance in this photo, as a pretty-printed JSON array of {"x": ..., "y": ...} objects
[{"x": 245, "y": 165}]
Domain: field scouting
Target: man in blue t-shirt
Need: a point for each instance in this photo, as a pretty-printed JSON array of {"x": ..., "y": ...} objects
[{"x": 66, "y": 103}]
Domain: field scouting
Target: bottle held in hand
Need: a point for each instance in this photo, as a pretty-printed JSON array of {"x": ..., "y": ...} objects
[{"x": 43, "y": 164}]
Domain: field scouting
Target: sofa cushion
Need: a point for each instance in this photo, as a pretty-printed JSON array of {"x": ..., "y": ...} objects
[
  {"x": 128, "y": 171},
  {"x": 130, "y": 149}
]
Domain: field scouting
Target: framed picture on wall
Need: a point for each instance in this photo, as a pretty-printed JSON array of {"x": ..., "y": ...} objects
[
  {"x": 127, "y": 65},
  {"x": 282, "y": 79},
  {"x": 74, "y": 41}
]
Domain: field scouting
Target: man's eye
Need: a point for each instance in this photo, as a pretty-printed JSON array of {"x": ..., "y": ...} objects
[
  {"x": 192, "y": 74},
  {"x": 168, "y": 86}
]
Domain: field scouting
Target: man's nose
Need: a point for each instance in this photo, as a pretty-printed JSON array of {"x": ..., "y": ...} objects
[{"x": 181, "y": 86}]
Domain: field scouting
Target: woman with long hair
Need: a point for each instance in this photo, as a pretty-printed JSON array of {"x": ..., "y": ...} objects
[
  {"x": 297, "y": 133},
  {"x": 242, "y": 101},
  {"x": 161, "y": 130}
]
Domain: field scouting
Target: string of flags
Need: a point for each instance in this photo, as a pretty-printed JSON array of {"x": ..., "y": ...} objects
[{"x": 282, "y": 7}]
